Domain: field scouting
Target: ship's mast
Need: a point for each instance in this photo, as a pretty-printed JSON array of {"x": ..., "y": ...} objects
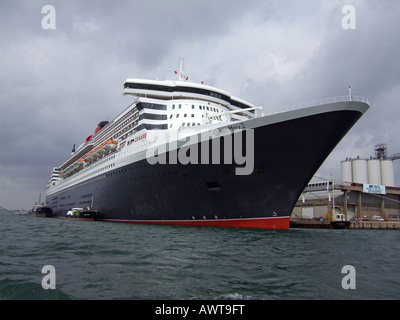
[{"x": 181, "y": 72}]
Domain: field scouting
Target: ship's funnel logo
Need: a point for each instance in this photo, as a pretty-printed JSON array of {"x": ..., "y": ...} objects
[{"x": 230, "y": 145}]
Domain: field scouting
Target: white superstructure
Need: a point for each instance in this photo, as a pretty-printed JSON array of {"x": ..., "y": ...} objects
[{"x": 171, "y": 106}]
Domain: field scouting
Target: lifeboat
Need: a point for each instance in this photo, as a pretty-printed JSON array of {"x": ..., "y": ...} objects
[
  {"x": 89, "y": 157},
  {"x": 100, "y": 150},
  {"x": 71, "y": 169},
  {"x": 75, "y": 165},
  {"x": 81, "y": 162},
  {"x": 110, "y": 145},
  {"x": 95, "y": 153}
]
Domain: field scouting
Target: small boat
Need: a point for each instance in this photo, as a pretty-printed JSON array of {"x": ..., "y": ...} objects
[
  {"x": 40, "y": 210},
  {"x": 81, "y": 214},
  {"x": 89, "y": 157},
  {"x": 110, "y": 145},
  {"x": 339, "y": 221}
]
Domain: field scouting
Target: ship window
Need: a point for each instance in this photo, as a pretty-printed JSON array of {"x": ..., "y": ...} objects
[
  {"x": 185, "y": 115},
  {"x": 192, "y": 115},
  {"x": 170, "y": 116},
  {"x": 177, "y": 115},
  {"x": 192, "y": 106},
  {"x": 183, "y": 124},
  {"x": 180, "y": 106},
  {"x": 193, "y": 124},
  {"x": 173, "y": 106},
  {"x": 188, "y": 124}
]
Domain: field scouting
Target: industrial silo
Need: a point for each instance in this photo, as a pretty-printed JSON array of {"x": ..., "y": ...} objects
[
  {"x": 387, "y": 172},
  {"x": 360, "y": 171},
  {"x": 374, "y": 171},
  {"x": 347, "y": 175}
]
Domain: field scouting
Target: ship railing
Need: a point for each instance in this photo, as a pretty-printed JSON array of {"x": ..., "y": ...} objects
[{"x": 318, "y": 102}]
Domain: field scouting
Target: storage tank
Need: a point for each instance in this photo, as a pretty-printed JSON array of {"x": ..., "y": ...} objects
[
  {"x": 374, "y": 171},
  {"x": 347, "y": 175},
  {"x": 387, "y": 172},
  {"x": 360, "y": 171}
]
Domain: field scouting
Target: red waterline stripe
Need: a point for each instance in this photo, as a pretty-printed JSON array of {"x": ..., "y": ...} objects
[{"x": 260, "y": 223}]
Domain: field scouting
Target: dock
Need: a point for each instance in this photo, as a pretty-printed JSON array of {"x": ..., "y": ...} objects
[
  {"x": 325, "y": 224},
  {"x": 376, "y": 225}
]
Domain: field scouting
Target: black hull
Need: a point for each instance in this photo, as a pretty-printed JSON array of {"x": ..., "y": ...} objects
[
  {"x": 286, "y": 156},
  {"x": 44, "y": 212},
  {"x": 340, "y": 224}
]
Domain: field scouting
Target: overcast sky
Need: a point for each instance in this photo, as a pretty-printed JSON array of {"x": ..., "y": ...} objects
[{"x": 57, "y": 84}]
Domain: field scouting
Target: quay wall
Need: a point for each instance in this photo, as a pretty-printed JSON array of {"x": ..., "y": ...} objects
[{"x": 367, "y": 225}]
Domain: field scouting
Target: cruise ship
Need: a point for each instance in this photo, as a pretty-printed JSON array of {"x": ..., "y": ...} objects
[{"x": 185, "y": 153}]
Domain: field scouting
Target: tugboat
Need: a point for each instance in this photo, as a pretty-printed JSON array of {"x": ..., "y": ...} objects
[
  {"x": 339, "y": 221},
  {"x": 39, "y": 210}
]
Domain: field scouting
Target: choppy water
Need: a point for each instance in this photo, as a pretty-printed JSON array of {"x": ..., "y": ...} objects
[{"x": 99, "y": 260}]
